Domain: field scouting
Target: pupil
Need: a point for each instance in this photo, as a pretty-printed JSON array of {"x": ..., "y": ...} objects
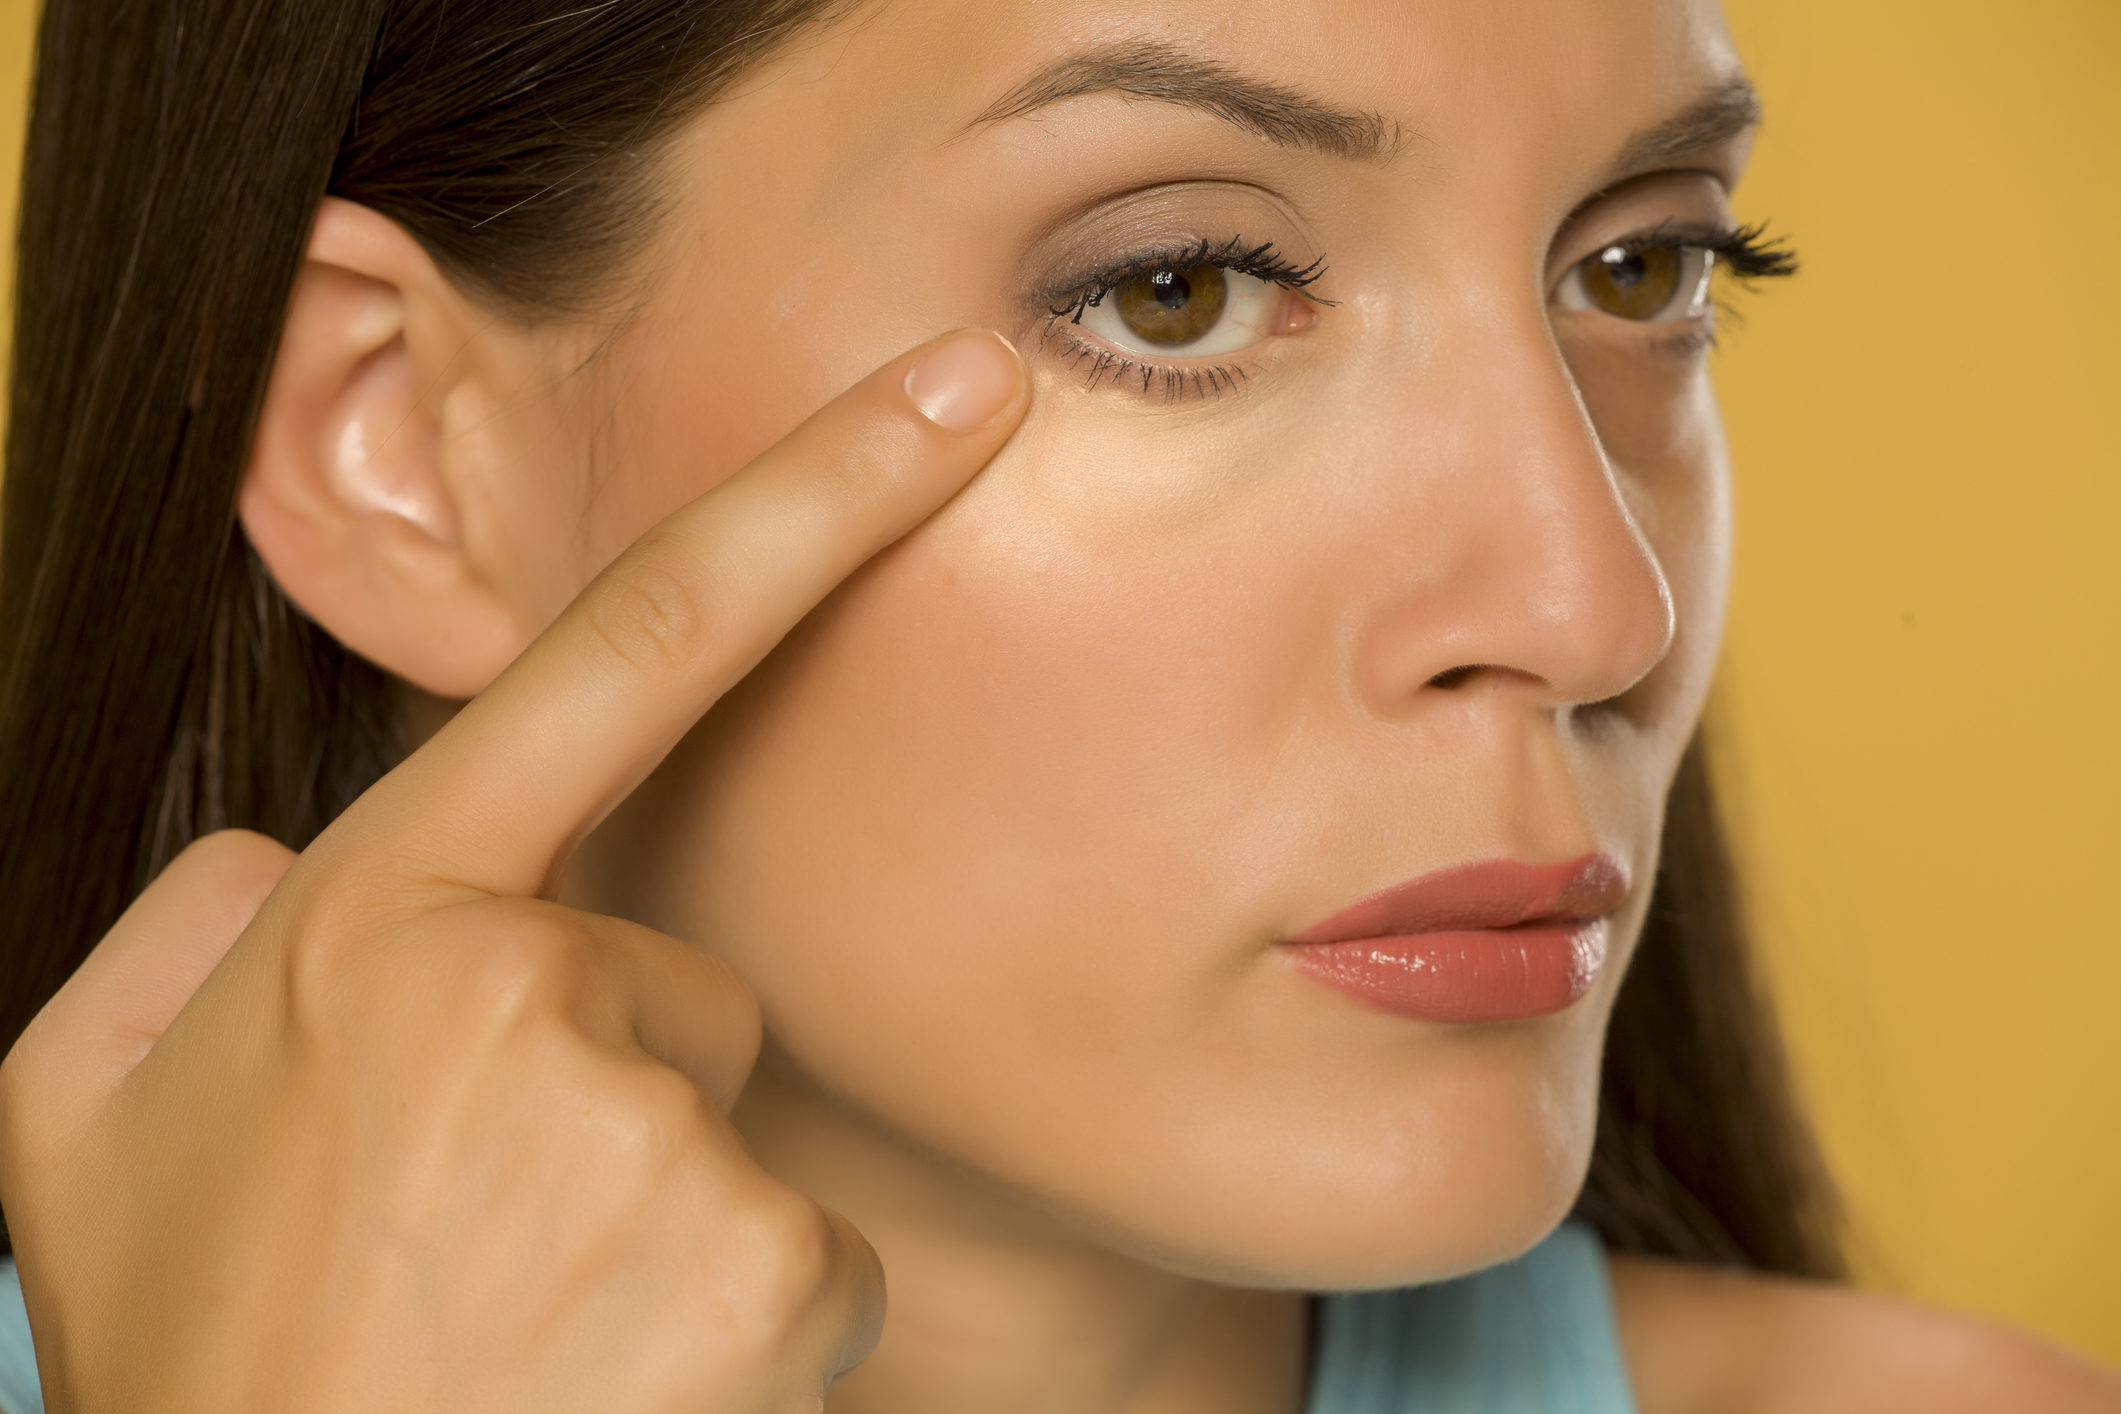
[
  {"x": 1173, "y": 307},
  {"x": 1634, "y": 284},
  {"x": 1624, "y": 268}
]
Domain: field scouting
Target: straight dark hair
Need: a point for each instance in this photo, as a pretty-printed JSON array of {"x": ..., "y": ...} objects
[{"x": 156, "y": 685}]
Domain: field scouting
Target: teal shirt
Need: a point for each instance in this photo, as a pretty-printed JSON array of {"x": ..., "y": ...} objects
[
  {"x": 19, "y": 1390},
  {"x": 1533, "y": 1336}
]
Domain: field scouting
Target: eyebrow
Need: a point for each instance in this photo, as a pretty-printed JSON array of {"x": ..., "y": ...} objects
[
  {"x": 1160, "y": 73},
  {"x": 1722, "y": 113}
]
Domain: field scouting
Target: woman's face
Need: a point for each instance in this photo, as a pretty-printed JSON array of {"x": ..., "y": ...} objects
[{"x": 1268, "y": 606}]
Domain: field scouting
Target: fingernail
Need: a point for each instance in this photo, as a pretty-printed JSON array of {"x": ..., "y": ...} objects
[{"x": 965, "y": 382}]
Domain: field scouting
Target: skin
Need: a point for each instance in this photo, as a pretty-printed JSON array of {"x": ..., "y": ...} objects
[{"x": 999, "y": 839}]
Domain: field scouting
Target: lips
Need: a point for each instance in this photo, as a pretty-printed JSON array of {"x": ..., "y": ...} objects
[{"x": 1497, "y": 940}]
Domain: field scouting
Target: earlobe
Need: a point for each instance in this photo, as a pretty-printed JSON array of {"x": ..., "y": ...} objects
[{"x": 348, "y": 497}]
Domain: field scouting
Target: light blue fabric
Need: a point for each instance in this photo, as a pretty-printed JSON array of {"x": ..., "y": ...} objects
[
  {"x": 19, "y": 1391},
  {"x": 1533, "y": 1336}
]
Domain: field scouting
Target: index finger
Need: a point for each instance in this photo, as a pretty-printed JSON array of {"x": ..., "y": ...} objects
[{"x": 497, "y": 800}]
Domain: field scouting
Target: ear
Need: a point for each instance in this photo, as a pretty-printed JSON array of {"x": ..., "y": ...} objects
[{"x": 356, "y": 494}]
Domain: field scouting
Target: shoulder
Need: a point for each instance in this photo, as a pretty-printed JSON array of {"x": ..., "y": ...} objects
[{"x": 1699, "y": 1340}]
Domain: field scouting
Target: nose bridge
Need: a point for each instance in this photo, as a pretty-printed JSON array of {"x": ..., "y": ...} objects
[{"x": 1532, "y": 564}]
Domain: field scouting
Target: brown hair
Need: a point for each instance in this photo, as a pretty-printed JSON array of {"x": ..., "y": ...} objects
[
  {"x": 1702, "y": 1151},
  {"x": 155, "y": 685}
]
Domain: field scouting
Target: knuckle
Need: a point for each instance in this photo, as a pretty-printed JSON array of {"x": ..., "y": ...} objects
[
  {"x": 651, "y": 613},
  {"x": 651, "y": 1116},
  {"x": 649, "y": 1130},
  {"x": 487, "y": 969},
  {"x": 327, "y": 930},
  {"x": 795, "y": 1256},
  {"x": 328, "y": 944},
  {"x": 530, "y": 965},
  {"x": 723, "y": 1000},
  {"x": 740, "y": 1013}
]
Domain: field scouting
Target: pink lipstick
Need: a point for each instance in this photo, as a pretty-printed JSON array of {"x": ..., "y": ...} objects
[{"x": 1496, "y": 940}]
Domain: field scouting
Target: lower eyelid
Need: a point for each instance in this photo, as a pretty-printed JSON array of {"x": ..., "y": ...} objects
[
  {"x": 1248, "y": 311},
  {"x": 1101, "y": 366},
  {"x": 1069, "y": 335}
]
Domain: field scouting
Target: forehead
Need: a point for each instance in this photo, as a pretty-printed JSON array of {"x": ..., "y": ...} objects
[{"x": 1441, "y": 74}]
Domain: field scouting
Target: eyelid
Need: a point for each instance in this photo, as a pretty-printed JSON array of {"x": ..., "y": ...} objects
[
  {"x": 1062, "y": 306},
  {"x": 1745, "y": 251},
  {"x": 1120, "y": 368},
  {"x": 1674, "y": 199},
  {"x": 1142, "y": 222},
  {"x": 1693, "y": 286},
  {"x": 1262, "y": 260},
  {"x": 1665, "y": 235}
]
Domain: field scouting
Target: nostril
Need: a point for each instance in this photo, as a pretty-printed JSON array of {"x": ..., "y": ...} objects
[{"x": 1450, "y": 678}]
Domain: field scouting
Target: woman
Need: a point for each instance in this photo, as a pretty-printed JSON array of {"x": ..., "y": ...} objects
[{"x": 1184, "y": 785}]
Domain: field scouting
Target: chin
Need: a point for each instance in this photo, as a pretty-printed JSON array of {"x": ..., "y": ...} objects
[
  {"x": 1343, "y": 1195},
  {"x": 1389, "y": 1154}
]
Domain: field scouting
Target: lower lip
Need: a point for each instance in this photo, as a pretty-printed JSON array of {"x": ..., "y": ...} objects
[{"x": 1472, "y": 975}]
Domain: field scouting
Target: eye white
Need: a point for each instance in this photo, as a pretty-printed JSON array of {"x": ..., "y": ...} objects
[{"x": 1247, "y": 318}]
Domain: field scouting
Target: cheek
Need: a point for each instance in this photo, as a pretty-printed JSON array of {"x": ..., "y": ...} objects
[
  {"x": 1004, "y": 837},
  {"x": 1659, "y": 425},
  {"x": 1661, "y": 430},
  {"x": 1014, "y": 740},
  {"x": 713, "y": 371}
]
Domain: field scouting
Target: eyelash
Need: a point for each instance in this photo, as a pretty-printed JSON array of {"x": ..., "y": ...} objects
[
  {"x": 1065, "y": 305},
  {"x": 1747, "y": 252},
  {"x": 1261, "y": 262}
]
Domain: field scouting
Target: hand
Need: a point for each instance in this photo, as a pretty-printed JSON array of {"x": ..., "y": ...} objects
[{"x": 411, "y": 1136}]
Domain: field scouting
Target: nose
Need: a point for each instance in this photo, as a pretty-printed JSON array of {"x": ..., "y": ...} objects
[{"x": 1512, "y": 552}]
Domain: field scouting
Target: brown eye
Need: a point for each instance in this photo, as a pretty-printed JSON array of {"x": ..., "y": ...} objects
[
  {"x": 1642, "y": 284},
  {"x": 1172, "y": 307},
  {"x": 1634, "y": 284}
]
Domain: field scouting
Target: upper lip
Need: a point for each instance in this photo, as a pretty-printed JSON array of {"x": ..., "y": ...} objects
[{"x": 1489, "y": 893}]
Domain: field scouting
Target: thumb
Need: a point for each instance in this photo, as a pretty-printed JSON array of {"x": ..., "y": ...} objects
[{"x": 111, "y": 1012}]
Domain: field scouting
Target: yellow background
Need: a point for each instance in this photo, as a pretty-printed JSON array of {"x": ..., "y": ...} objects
[{"x": 1925, "y": 647}]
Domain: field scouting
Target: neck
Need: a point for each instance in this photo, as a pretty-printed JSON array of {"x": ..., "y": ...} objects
[{"x": 996, "y": 1303}]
